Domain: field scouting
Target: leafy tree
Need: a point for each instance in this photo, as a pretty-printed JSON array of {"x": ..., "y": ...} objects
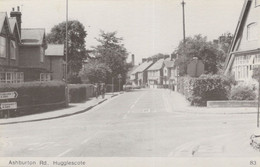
[
  {"x": 112, "y": 52},
  {"x": 158, "y": 56},
  {"x": 198, "y": 46},
  {"x": 95, "y": 71},
  {"x": 76, "y": 43},
  {"x": 224, "y": 43}
]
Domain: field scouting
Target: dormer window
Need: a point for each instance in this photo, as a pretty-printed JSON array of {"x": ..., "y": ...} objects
[
  {"x": 2, "y": 46},
  {"x": 252, "y": 32}
]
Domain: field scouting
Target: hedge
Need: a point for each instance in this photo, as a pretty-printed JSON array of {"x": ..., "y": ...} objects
[
  {"x": 35, "y": 97},
  {"x": 242, "y": 92},
  {"x": 207, "y": 87},
  {"x": 80, "y": 92}
]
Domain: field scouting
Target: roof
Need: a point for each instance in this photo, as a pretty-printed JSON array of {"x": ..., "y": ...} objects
[
  {"x": 13, "y": 24},
  {"x": 3, "y": 17},
  {"x": 33, "y": 36},
  {"x": 169, "y": 63},
  {"x": 131, "y": 70},
  {"x": 54, "y": 50},
  {"x": 157, "y": 65},
  {"x": 143, "y": 67},
  {"x": 238, "y": 30}
]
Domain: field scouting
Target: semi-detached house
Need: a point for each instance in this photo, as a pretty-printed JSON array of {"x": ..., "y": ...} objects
[
  {"x": 22, "y": 52},
  {"x": 244, "y": 54},
  {"x": 140, "y": 73}
]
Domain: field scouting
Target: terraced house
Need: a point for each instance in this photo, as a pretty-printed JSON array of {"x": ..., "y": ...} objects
[
  {"x": 22, "y": 51},
  {"x": 244, "y": 54}
]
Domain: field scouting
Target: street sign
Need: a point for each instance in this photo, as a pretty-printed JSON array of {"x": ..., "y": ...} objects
[
  {"x": 8, "y": 105},
  {"x": 8, "y": 95}
]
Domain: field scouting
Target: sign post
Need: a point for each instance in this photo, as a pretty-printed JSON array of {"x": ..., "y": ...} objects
[
  {"x": 8, "y": 95},
  {"x": 8, "y": 105}
]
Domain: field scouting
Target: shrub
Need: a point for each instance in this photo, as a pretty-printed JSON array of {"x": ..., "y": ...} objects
[
  {"x": 207, "y": 87},
  {"x": 242, "y": 92},
  {"x": 77, "y": 93},
  {"x": 32, "y": 96}
]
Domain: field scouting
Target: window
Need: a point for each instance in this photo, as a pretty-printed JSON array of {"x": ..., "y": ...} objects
[
  {"x": 45, "y": 77},
  {"x": 13, "y": 50},
  {"x": 2, "y": 47},
  {"x": 252, "y": 32},
  {"x": 11, "y": 77}
]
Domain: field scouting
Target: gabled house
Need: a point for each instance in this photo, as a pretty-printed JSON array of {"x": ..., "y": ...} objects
[
  {"x": 21, "y": 51},
  {"x": 54, "y": 62},
  {"x": 244, "y": 53},
  {"x": 9, "y": 50},
  {"x": 139, "y": 75},
  {"x": 169, "y": 72},
  {"x": 155, "y": 73},
  {"x": 32, "y": 51}
]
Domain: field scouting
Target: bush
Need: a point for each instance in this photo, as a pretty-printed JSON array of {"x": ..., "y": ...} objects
[
  {"x": 207, "y": 87},
  {"x": 32, "y": 96},
  {"x": 77, "y": 93},
  {"x": 242, "y": 92}
]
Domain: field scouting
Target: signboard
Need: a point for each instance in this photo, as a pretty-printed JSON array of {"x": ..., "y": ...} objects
[
  {"x": 8, "y": 95},
  {"x": 195, "y": 68},
  {"x": 8, "y": 105}
]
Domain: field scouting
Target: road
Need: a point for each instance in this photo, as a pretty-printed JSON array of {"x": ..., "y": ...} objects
[{"x": 142, "y": 123}]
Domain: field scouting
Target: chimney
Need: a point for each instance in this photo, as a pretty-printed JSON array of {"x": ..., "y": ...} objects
[
  {"x": 133, "y": 60},
  {"x": 18, "y": 15},
  {"x": 143, "y": 60}
]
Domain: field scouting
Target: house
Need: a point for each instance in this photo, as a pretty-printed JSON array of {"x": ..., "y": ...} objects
[
  {"x": 155, "y": 74},
  {"x": 9, "y": 50},
  {"x": 244, "y": 53},
  {"x": 139, "y": 75},
  {"x": 21, "y": 51},
  {"x": 169, "y": 72},
  {"x": 54, "y": 62}
]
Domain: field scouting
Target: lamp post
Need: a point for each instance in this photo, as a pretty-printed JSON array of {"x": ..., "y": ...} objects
[{"x": 119, "y": 79}]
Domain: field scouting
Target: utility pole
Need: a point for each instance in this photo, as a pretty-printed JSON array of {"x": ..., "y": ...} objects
[
  {"x": 66, "y": 58},
  {"x": 183, "y": 20}
]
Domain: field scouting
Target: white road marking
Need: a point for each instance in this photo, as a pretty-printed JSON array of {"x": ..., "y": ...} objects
[
  {"x": 65, "y": 152},
  {"x": 133, "y": 105},
  {"x": 86, "y": 140}
]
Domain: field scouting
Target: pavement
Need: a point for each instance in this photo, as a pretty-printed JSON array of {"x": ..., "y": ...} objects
[
  {"x": 72, "y": 109},
  {"x": 182, "y": 105}
]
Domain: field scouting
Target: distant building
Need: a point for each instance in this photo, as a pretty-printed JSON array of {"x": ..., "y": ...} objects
[
  {"x": 155, "y": 74},
  {"x": 139, "y": 75},
  {"x": 54, "y": 56},
  {"x": 169, "y": 72},
  {"x": 244, "y": 54}
]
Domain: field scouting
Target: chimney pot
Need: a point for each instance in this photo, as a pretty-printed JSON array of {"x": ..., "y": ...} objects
[
  {"x": 18, "y": 8},
  {"x": 13, "y": 9}
]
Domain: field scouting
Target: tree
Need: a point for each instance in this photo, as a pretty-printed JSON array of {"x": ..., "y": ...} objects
[
  {"x": 224, "y": 43},
  {"x": 158, "y": 56},
  {"x": 112, "y": 52},
  {"x": 95, "y": 72},
  {"x": 76, "y": 43},
  {"x": 199, "y": 47}
]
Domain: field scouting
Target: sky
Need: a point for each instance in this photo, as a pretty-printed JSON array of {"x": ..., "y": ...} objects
[{"x": 148, "y": 27}]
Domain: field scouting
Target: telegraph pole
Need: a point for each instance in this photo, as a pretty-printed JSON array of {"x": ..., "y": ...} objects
[
  {"x": 66, "y": 58},
  {"x": 183, "y": 20}
]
